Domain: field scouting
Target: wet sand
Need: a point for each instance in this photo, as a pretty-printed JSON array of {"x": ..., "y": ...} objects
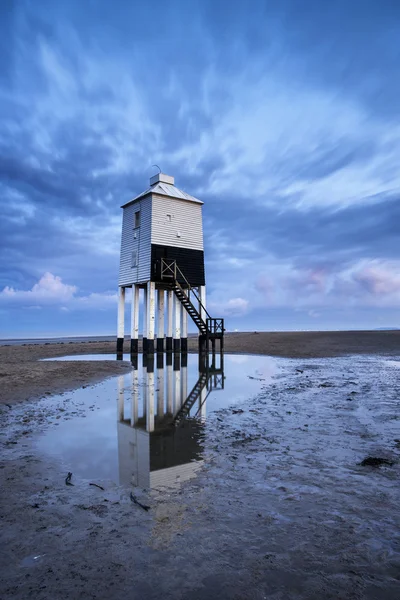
[
  {"x": 22, "y": 377},
  {"x": 283, "y": 508}
]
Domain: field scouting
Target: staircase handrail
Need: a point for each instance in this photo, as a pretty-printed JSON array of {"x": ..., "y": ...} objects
[
  {"x": 177, "y": 269},
  {"x": 194, "y": 294},
  {"x": 190, "y": 401}
]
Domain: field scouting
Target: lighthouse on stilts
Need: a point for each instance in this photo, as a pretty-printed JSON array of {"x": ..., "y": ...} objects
[{"x": 162, "y": 260}]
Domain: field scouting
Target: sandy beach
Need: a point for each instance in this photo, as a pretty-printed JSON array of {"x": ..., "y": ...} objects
[{"x": 23, "y": 376}]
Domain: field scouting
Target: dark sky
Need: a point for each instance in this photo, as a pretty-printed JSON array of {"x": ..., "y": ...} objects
[{"x": 282, "y": 116}]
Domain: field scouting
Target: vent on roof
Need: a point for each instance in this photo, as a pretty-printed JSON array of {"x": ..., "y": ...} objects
[{"x": 162, "y": 178}]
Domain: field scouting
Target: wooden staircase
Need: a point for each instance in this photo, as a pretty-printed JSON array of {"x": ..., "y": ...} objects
[
  {"x": 213, "y": 380},
  {"x": 211, "y": 328},
  {"x": 192, "y": 398},
  {"x": 190, "y": 308}
]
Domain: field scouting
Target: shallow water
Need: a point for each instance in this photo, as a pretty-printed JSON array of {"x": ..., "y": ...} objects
[{"x": 145, "y": 428}]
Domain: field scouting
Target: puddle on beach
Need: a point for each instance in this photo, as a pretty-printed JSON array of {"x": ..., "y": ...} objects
[{"x": 146, "y": 428}]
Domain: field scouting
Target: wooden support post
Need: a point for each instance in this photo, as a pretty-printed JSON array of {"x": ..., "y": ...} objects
[
  {"x": 169, "y": 386},
  {"x": 202, "y": 344},
  {"x": 121, "y": 398},
  {"x": 202, "y": 407},
  {"x": 150, "y": 363},
  {"x": 160, "y": 387},
  {"x": 145, "y": 388},
  {"x": 170, "y": 297},
  {"x": 121, "y": 322},
  {"x": 160, "y": 315},
  {"x": 184, "y": 382},
  {"x": 213, "y": 360},
  {"x": 184, "y": 328},
  {"x": 177, "y": 328},
  {"x": 177, "y": 394},
  {"x": 134, "y": 361},
  {"x": 202, "y": 295},
  {"x": 135, "y": 320},
  {"x": 145, "y": 319},
  {"x": 177, "y": 361},
  {"x": 150, "y": 400},
  {"x": 184, "y": 359},
  {"x": 135, "y": 397},
  {"x": 151, "y": 315}
]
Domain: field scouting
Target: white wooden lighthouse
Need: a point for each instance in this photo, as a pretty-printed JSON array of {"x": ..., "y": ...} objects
[{"x": 162, "y": 259}]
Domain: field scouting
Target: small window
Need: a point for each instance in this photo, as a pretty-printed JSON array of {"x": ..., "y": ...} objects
[
  {"x": 134, "y": 262},
  {"x": 169, "y": 218},
  {"x": 137, "y": 219}
]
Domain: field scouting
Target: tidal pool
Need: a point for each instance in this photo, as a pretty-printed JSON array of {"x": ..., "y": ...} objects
[{"x": 146, "y": 428}]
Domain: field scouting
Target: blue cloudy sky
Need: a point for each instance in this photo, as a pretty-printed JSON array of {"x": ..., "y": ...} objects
[{"x": 281, "y": 115}]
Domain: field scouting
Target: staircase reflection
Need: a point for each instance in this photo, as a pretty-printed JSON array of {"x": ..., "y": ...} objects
[{"x": 160, "y": 423}]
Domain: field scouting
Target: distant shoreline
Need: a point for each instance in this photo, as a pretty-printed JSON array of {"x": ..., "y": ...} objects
[
  {"x": 55, "y": 340},
  {"x": 110, "y": 338}
]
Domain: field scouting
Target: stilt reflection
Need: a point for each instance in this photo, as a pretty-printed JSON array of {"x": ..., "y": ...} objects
[{"x": 160, "y": 422}]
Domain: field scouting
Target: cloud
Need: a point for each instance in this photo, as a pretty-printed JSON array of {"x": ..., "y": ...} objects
[
  {"x": 231, "y": 307},
  {"x": 380, "y": 279},
  {"x": 51, "y": 291},
  {"x": 323, "y": 150},
  {"x": 365, "y": 283},
  {"x": 48, "y": 288},
  {"x": 285, "y": 123}
]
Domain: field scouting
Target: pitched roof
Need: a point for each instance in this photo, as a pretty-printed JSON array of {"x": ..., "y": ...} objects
[{"x": 164, "y": 189}]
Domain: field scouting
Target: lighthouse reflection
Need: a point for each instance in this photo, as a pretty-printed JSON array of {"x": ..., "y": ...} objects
[{"x": 161, "y": 417}]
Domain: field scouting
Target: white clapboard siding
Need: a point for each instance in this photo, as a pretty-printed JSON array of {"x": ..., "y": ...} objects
[
  {"x": 184, "y": 230},
  {"x": 138, "y": 240},
  {"x": 133, "y": 456}
]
